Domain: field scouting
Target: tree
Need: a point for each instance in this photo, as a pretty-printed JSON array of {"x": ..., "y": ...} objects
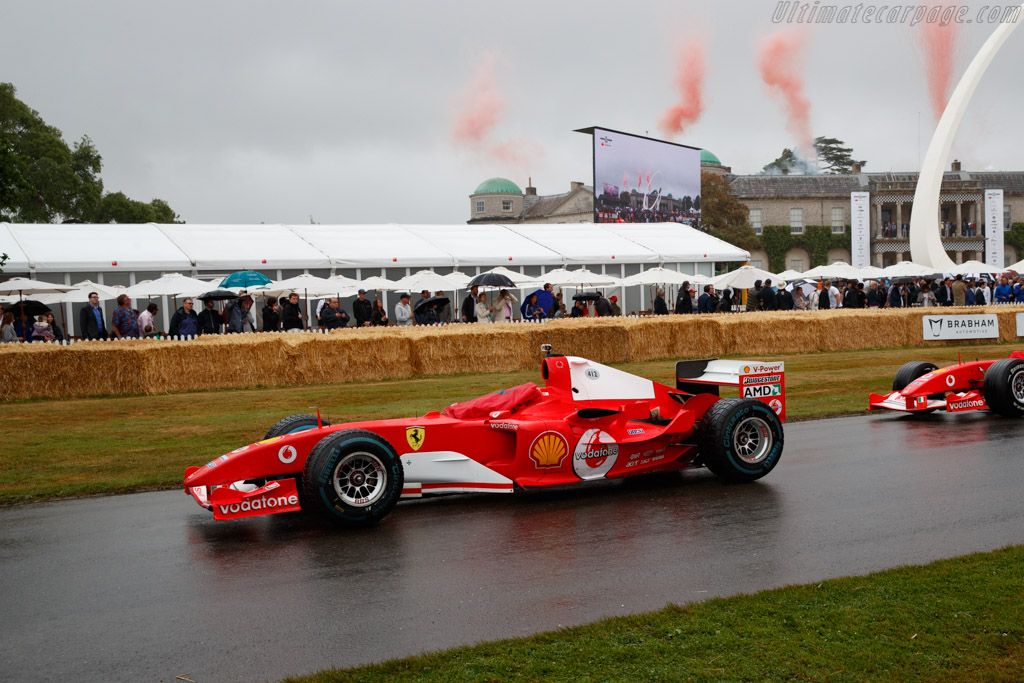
[
  {"x": 786, "y": 161},
  {"x": 42, "y": 179},
  {"x": 724, "y": 216},
  {"x": 833, "y": 159}
]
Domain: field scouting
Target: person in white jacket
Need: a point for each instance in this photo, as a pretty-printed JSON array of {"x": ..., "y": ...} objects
[{"x": 483, "y": 311}]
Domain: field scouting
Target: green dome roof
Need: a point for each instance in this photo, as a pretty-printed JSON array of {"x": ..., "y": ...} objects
[
  {"x": 497, "y": 186},
  {"x": 707, "y": 157}
]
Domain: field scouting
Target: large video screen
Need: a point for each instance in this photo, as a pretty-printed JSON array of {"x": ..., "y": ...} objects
[{"x": 641, "y": 180}]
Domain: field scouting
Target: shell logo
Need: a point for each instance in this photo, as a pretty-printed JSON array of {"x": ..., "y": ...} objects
[
  {"x": 746, "y": 368},
  {"x": 548, "y": 449}
]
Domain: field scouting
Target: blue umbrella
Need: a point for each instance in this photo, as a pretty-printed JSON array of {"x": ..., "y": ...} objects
[{"x": 245, "y": 278}]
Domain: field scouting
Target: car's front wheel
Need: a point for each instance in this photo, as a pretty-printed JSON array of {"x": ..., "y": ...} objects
[
  {"x": 1004, "y": 387},
  {"x": 354, "y": 477},
  {"x": 740, "y": 439},
  {"x": 292, "y": 424}
]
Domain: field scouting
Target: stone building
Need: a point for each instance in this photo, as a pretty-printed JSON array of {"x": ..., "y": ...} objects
[
  {"x": 499, "y": 200},
  {"x": 799, "y": 202}
]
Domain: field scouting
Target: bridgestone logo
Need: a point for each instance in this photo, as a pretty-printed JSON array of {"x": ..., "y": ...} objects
[
  {"x": 767, "y": 379},
  {"x": 259, "y": 504}
]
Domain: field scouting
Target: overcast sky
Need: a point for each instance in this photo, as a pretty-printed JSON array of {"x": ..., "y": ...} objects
[{"x": 241, "y": 112}]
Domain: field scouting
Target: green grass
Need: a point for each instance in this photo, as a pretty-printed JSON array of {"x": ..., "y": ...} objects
[
  {"x": 61, "y": 448},
  {"x": 953, "y": 620}
]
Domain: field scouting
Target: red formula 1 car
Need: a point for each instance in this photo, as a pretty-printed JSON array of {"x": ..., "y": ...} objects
[
  {"x": 996, "y": 385},
  {"x": 589, "y": 422}
]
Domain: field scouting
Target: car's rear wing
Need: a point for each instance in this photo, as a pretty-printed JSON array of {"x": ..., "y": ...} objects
[{"x": 760, "y": 380}]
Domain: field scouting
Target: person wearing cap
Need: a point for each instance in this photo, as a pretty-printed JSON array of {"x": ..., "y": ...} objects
[
  {"x": 362, "y": 309},
  {"x": 616, "y": 311},
  {"x": 403, "y": 311}
]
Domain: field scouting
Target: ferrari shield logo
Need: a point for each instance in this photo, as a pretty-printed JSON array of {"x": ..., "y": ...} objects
[{"x": 415, "y": 436}]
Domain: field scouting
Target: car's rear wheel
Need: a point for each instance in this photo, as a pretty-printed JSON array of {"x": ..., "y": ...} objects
[
  {"x": 909, "y": 372},
  {"x": 292, "y": 424},
  {"x": 354, "y": 477},
  {"x": 740, "y": 439},
  {"x": 1004, "y": 387}
]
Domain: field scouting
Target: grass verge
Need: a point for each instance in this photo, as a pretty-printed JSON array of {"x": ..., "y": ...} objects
[
  {"x": 61, "y": 448},
  {"x": 953, "y": 620}
]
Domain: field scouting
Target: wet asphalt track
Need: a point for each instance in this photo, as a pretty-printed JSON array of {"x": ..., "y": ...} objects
[{"x": 147, "y": 587}]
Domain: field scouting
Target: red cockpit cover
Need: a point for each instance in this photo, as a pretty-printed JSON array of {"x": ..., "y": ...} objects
[{"x": 503, "y": 399}]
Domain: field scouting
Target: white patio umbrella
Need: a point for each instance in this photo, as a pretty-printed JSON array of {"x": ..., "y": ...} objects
[
  {"x": 1017, "y": 267},
  {"x": 459, "y": 278},
  {"x": 838, "y": 269},
  {"x": 743, "y": 277},
  {"x": 790, "y": 275},
  {"x": 21, "y": 286},
  {"x": 515, "y": 276},
  {"x": 171, "y": 284},
  {"x": 581, "y": 277},
  {"x": 311, "y": 285},
  {"x": 376, "y": 282},
  {"x": 427, "y": 279},
  {"x": 664, "y": 276},
  {"x": 974, "y": 268},
  {"x": 907, "y": 269}
]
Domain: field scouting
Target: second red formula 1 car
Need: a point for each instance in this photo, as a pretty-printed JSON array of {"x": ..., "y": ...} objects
[
  {"x": 919, "y": 387},
  {"x": 589, "y": 421}
]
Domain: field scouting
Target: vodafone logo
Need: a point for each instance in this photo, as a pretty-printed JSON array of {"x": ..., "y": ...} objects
[
  {"x": 950, "y": 379},
  {"x": 595, "y": 454},
  {"x": 964, "y": 405},
  {"x": 776, "y": 405},
  {"x": 287, "y": 454}
]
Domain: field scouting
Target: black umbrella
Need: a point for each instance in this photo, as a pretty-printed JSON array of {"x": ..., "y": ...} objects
[
  {"x": 586, "y": 296},
  {"x": 424, "y": 303},
  {"x": 901, "y": 280},
  {"x": 491, "y": 280},
  {"x": 30, "y": 306},
  {"x": 218, "y": 295}
]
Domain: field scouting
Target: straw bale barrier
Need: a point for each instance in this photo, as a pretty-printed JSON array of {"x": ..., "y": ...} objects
[{"x": 252, "y": 360}]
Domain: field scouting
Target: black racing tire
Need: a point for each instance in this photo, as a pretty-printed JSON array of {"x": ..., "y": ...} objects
[
  {"x": 1004, "y": 387},
  {"x": 740, "y": 439},
  {"x": 292, "y": 424},
  {"x": 911, "y": 371},
  {"x": 354, "y": 477}
]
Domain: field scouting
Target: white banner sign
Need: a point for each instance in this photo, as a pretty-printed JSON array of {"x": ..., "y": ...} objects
[
  {"x": 1020, "y": 324},
  {"x": 994, "y": 228},
  {"x": 960, "y": 327},
  {"x": 860, "y": 229}
]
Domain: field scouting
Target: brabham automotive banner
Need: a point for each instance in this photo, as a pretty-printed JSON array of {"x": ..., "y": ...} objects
[{"x": 936, "y": 327}]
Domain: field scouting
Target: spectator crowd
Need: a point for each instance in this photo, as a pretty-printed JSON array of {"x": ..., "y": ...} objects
[{"x": 288, "y": 314}]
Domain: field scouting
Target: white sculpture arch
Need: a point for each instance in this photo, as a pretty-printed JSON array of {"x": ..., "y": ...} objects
[{"x": 925, "y": 242}]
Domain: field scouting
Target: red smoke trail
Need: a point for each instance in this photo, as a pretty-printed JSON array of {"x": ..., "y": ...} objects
[
  {"x": 938, "y": 43},
  {"x": 480, "y": 106},
  {"x": 780, "y": 60},
  {"x": 689, "y": 81}
]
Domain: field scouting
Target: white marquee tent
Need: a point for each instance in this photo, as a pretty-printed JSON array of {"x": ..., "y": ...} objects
[{"x": 118, "y": 254}]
